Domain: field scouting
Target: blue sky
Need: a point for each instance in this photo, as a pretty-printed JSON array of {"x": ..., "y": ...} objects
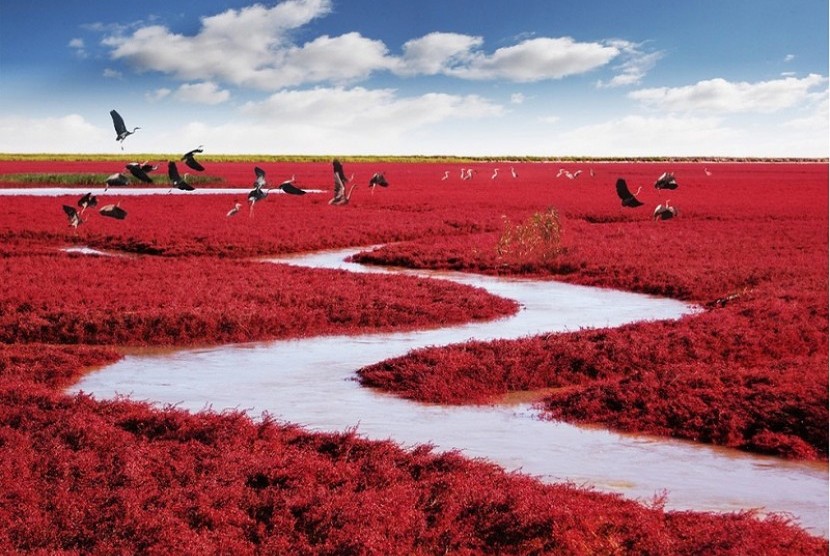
[{"x": 465, "y": 77}]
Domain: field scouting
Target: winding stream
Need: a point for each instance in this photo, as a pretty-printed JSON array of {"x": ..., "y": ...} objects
[{"x": 310, "y": 381}]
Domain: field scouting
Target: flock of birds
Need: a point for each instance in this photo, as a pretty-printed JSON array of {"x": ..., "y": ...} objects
[
  {"x": 666, "y": 181},
  {"x": 141, "y": 171}
]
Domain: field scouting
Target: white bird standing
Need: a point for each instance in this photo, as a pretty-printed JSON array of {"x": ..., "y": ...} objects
[
  {"x": 707, "y": 172},
  {"x": 237, "y": 205},
  {"x": 446, "y": 175},
  {"x": 495, "y": 174},
  {"x": 513, "y": 172}
]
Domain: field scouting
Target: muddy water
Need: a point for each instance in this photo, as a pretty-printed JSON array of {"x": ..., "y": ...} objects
[{"x": 311, "y": 382}]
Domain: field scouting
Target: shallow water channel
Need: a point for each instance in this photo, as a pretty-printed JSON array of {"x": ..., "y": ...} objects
[{"x": 310, "y": 381}]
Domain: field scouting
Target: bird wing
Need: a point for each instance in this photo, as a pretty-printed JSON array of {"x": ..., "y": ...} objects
[
  {"x": 113, "y": 211},
  {"x": 192, "y": 162},
  {"x": 289, "y": 187},
  {"x": 260, "y": 177},
  {"x": 136, "y": 170},
  {"x": 70, "y": 211},
  {"x": 173, "y": 172},
  {"x": 622, "y": 189},
  {"x": 118, "y": 122}
]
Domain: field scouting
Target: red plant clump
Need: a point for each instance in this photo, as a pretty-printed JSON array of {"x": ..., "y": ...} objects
[{"x": 82, "y": 476}]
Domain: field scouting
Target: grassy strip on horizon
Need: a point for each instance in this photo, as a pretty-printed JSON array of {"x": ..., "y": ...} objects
[
  {"x": 83, "y": 178},
  {"x": 83, "y": 157}
]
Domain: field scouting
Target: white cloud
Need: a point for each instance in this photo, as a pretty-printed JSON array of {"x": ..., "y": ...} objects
[
  {"x": 78, "y": 46},
  {"x": 536, "y": 60},
  {"x": 158, "y": 94},
  {"x": 201, "y": 93},
  {"x": 369, "y": 111},
  {"x": 252, "y": 47},
  {"x": 436, "y": 53},
  {"x": 21, "y": 135},
  {"x": 722, "y": 96},
  {"x": 245, "y": 47},
  {"x": 647, "y": 136},
  {"x": 517, "y": 98},
  {"x": 634, "y": 66},
  {"x": 110, "y": 73}
]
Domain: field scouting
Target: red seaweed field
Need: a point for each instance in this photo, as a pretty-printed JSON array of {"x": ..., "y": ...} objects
[{"x": 749, "y": 245}]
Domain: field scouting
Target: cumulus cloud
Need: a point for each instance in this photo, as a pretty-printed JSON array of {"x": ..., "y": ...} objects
[
  {"x": 110, "y": 73},
  {"x": 436, "y": 53},
  {"x": 201, "y": 93},
  {"x": 253, "y": 47},
  {"x": 535, "y": 60},
  {"x": 722, "y": 96},
  {"x": 239, "y": 46}
]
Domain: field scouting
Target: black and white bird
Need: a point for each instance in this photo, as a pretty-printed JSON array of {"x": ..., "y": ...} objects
[
  {"x": 88, "y": 200},
  {"x": 73, "y": 216},
  {"x": 378, "y": 179},
  {"x": 258, "y": 193},
  {"x": 628, "y": 199},
  {"x": 140, "y": 170},
  {"x": 666, "y": 181},
  {"x": 121, "y": 131},
  {"x": 189, "y": 159},
  {"x": 665, "y": 212},
  {"x": 176, "y": 179},
  {"x": 113, "y": 211},
  {"x": 115, "y": 180}
]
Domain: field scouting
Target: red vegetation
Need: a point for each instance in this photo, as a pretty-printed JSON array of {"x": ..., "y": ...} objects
[{"x": 81, "y": 476}]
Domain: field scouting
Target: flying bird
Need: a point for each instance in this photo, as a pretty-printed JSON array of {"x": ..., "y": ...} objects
[
  {"x": 664, "y": 212},
  {"x": 140, "y": 171},
  {"x": 236, "y": 206},
  {"x": 258, "y": 193},
  {"x": 190, "y": 160},
  {"x": 113, "y": 211},
  {"x": 666, "y": 181},
  {"x": 116, "y": 180},
  {"x": 177, "y": 180},
  {"x": 288, "y": 187},
  {"x": 378, "y": 179},
  {"x": 73, "y": 216},
  {"x": 628, "y": 199},
  {"x": 88, "y": 200},
  {"x": 121, "y": 131}
]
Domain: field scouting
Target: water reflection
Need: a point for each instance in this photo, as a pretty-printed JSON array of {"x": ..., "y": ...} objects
[{"x": 311, "y": 382}]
